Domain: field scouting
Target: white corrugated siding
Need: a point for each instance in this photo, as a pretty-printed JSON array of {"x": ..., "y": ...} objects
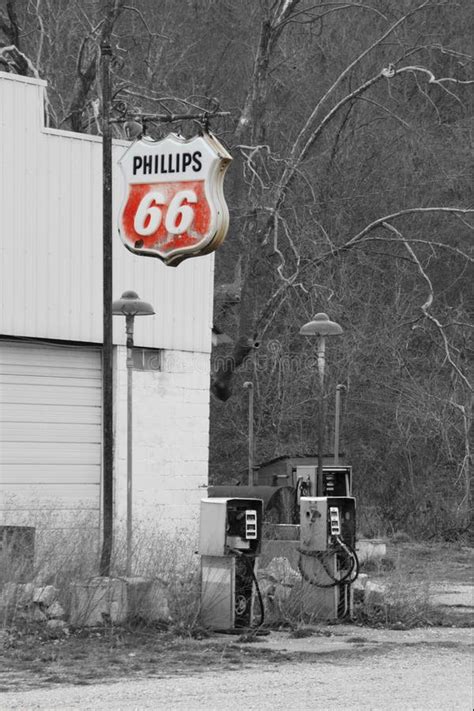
[
  {"x": 51, "y": 240},
  {"x": 50, "y": 429}
]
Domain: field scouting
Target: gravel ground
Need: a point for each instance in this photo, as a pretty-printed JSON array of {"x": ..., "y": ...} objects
[{"x": 363, "y": 669}]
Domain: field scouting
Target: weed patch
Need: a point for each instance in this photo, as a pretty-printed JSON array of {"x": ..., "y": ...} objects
[{"x": 138, "y": 654}]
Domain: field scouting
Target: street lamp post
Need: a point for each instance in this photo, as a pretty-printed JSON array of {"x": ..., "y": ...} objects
[
  {"x": 337, "y": 420},
  {"x": 321, "y": 326},
  {"x": 130, "y": 305},
  {"x": 249, "y": 385}
]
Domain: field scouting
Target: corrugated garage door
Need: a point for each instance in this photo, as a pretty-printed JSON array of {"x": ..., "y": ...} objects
[{"x": 50, "y": 431}]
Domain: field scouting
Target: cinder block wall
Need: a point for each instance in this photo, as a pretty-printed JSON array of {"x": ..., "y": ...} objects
[{"x": 170, "y": 442}]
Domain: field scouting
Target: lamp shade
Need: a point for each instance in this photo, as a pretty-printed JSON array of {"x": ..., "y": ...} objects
[
  {"x": 321, "y": 326},
  {"x": 130, "y": 304}
]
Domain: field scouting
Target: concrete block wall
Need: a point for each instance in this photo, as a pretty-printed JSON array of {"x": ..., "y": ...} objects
[{"x": 170, "y": 441}]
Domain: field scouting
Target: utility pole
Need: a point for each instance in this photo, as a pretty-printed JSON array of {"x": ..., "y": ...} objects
[
  {"x": 107, "y": 342},
  {"x": 110, "y": 12},
  {"x": 337, "y": 423},
  {"x": 248, "y": 385}
]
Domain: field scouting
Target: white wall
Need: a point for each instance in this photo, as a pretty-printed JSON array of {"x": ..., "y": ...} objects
[
  {"x": 170, "y": 443},
  {"x": 51, "y": 288},
  {"x": 51, "y": 239}
]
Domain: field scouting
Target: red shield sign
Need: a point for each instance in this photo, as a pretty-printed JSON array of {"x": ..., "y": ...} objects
[{"x": 174, "y": 207}]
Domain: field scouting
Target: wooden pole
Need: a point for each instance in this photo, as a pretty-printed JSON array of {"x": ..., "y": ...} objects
[
  {"x": 337, "y": 423},
  {"x": 107, "y": 343},
  {"x": 129, "y": 328},
  {"x": 251, "y": 435}
]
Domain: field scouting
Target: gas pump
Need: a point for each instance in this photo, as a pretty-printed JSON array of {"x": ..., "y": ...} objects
[
  {"x": 337, "y": 480},
  {"x": 328, "y": 561},
  {"x": 230, "y": 536}
]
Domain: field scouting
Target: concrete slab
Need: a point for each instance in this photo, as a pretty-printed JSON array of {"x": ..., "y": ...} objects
[
  {"x": 342, "y": 638},
  {"x": 457, "y": 596}
]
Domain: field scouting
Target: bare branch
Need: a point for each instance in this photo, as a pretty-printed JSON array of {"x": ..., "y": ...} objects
[
  {"x": 384, "y": 108},
  {"x": 295, "y": 153},
  {"x": 428, "y": 303},
  {"x": 288, "y": 280},
  {"x": 334, "y": 7},
  {"x": 464, "y": 222},
  {"x": 154, "y": 96},
  {"x": 144, "y": 22},
  {"x": 41, "y": 33},
  {"x": 428, "y": 243},
  {"x": 432, "y": 79},
  {"x": 296, "y": 157},
  {"x": 303, "y": 141},
  {"x": 284, "y": 13},
  {"x": 410, "y": 211}
]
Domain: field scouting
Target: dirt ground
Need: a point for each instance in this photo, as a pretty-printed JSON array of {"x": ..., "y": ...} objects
[
  {"x": 353, "y": 669},
  {"x": 320, "y": 667},
  {"x": 440, "y": 563}
]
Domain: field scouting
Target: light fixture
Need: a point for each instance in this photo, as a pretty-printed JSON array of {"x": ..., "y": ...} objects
[
  {"x": 130, "y": 305},
  {"x": 321, "y": 327}
]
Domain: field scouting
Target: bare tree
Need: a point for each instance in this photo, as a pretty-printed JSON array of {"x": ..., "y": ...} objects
[
  {"x": 269, "y": 191},
  {"x": 350, "y": 193}
]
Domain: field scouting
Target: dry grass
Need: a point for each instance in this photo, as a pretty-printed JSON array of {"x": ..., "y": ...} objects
[
  {"x": 437, "y": 562},
  {"x": 31, "y": 659},
  {"x": 64, "y": 557},
  {"x": 31, "y": 656},
  {"x": 410, "y": 573}
]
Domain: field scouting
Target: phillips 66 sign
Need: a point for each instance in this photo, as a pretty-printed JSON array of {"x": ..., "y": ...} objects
[{"x": 174, "y": 206}]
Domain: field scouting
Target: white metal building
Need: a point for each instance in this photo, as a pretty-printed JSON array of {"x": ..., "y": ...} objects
[{"x": 51, "y": 334}]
